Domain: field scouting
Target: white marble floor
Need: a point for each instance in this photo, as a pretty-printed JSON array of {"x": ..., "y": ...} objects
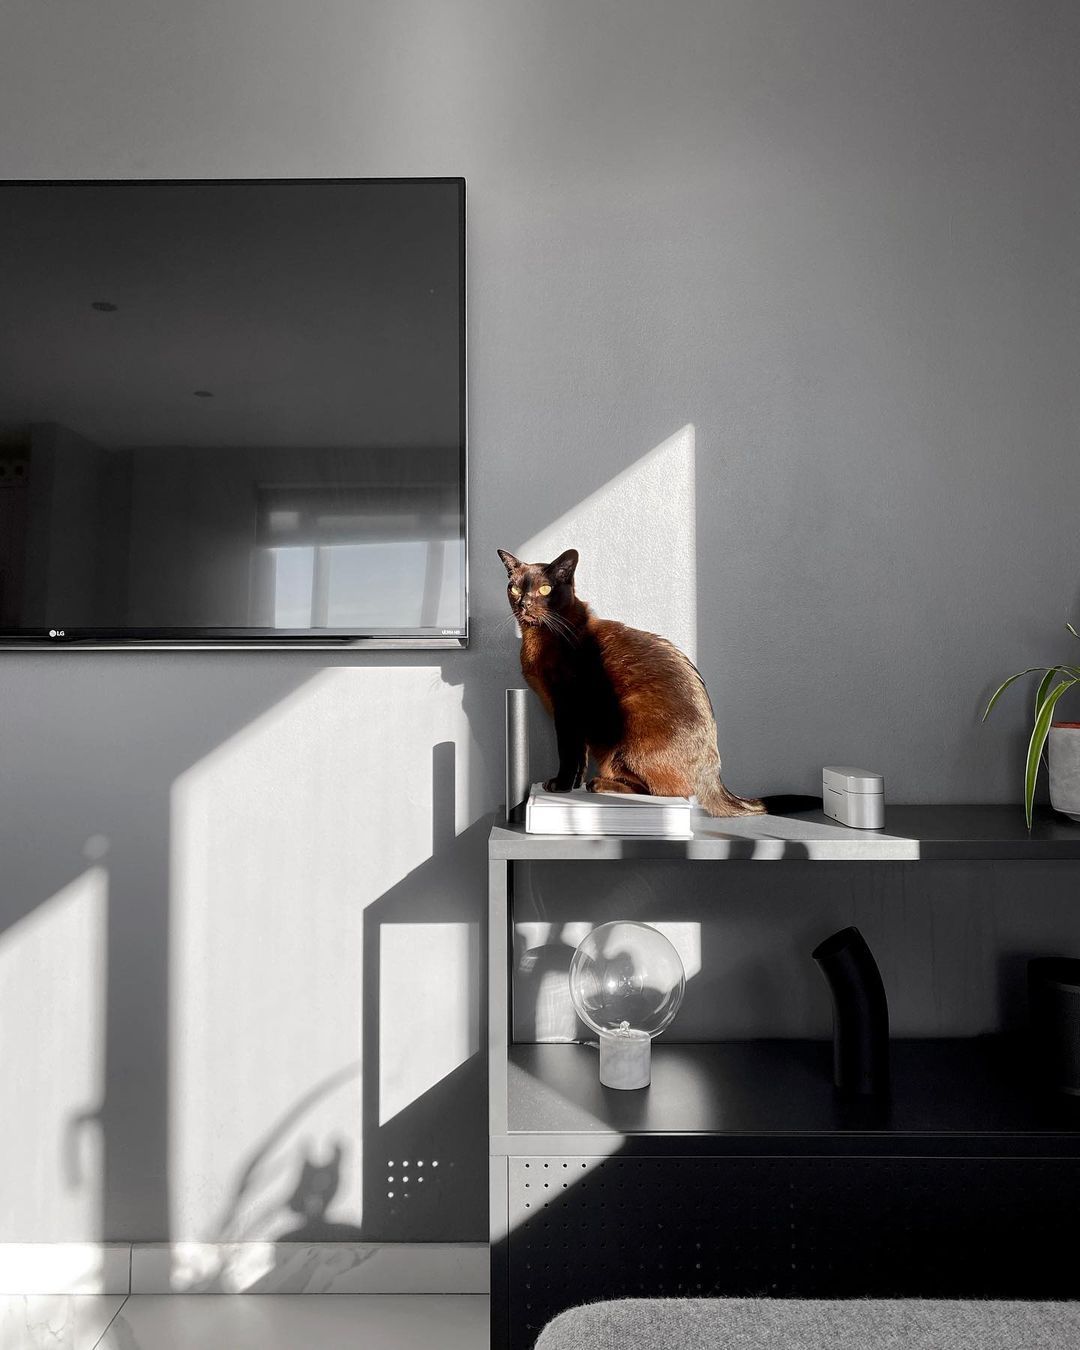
[{"x": 244, "y": 1322}]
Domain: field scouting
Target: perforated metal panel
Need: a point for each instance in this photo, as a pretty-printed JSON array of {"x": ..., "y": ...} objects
[
  {"x": 584, "y": 1228},
  {"x": 587, "y": 1228}
]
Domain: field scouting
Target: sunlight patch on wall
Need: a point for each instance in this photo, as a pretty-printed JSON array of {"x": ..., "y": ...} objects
[
  {"x": 686, "y": 939},
  {"x": 52, "y": 1064},
  {"x": 280, "y": 840},
  {"x": 429, "y": 1007},
  {"x": 637, "y": 540},
  {"x": 286, "y": 838}
]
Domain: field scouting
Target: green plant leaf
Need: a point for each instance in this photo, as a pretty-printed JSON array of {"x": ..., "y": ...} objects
[
  {"x": 1072, "y": 630},
  {"x": 1044, "y": 688},
  {"x": 1002, "y": 687},
  {"x": 1070, "y": 672},
  {"x": 1039, "y": 733},
  {"x": 1073, "y": 672}
]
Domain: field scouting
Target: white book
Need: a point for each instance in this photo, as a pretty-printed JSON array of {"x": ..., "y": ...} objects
[{"x": 604, "y": 813}]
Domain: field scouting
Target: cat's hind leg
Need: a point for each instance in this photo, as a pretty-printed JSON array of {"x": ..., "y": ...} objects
[
  {"x": 617, "y": 781},
  {"x": 665, "y": 781},
  {"x": 613, "y": 774},
  {"x": 616, "y": 785}
]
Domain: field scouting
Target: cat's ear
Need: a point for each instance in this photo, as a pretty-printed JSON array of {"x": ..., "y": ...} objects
[
  {"x": 509, "y": 561},
  {"x": 562, "y": 569}
]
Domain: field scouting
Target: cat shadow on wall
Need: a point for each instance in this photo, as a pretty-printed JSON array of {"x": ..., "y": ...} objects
[
  {"x": 262, "y": 1191},
  {"x": 317, "y": 1184},
  {"x": 318, "y": 1181}
]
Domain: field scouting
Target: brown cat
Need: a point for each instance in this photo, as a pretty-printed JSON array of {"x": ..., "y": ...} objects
[{"x": 630, "y": 699}]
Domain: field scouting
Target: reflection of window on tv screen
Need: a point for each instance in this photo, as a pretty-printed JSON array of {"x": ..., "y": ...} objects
[
  {"x": 360, "y": 564},
  {"x": 232, "y": 411}
]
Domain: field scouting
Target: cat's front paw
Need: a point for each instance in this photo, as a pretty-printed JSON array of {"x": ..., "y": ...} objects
[{"x": 557, "y": 785}]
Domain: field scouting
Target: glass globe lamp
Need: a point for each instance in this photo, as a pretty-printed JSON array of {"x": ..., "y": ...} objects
[{"x": 626, "y": 982}]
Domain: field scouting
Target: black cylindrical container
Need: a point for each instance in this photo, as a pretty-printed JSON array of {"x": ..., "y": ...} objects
[
  {"x": 1054, "y": 1008},
  {"x": 860, "y": 1014}
]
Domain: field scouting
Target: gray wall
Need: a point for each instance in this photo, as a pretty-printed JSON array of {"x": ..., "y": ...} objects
[{"x": 838, "y": 242}]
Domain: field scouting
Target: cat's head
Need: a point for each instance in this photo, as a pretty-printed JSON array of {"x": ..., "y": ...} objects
[
  {"x": 538, "y": 591},
  {"x": 317, "y": 1185}
]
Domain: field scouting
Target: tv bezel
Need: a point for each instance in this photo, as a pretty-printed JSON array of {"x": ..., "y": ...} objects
[{"x": 274, "y": 639}]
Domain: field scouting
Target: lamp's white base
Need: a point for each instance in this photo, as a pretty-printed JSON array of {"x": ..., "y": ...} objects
[{"x": 625, "y": 1059}]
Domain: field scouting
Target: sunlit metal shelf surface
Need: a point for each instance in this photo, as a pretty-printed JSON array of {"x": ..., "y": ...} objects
[
  {"x": 777, "y": 1095},
  {"x": 911, "y": 834}
]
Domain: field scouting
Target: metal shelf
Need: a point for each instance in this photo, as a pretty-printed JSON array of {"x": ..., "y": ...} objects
[
  {"x": 911, "y": 834},
  {"x": 948, "y": 1096},
  {"x": 957, "y": 1186}
]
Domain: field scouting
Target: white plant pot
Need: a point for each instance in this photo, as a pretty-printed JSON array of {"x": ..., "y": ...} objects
[{"x": 1063, "y": 755}]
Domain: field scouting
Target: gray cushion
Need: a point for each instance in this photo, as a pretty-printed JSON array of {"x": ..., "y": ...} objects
[{"x": 813, "y": 1324}]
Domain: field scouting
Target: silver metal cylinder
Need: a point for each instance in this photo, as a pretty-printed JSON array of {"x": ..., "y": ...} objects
[{"x": 517, "y": 754}]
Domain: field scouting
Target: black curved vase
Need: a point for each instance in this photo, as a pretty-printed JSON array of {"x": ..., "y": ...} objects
[{"x": 860, "y": 1014}]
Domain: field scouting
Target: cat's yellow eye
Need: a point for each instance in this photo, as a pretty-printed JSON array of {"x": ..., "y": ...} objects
[
  {"x": 514, "y": 590},
  {"x": 544, "y": 590}
]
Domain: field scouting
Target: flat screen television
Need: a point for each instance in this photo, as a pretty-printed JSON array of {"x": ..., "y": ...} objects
[{"x": 233, "y": 413}]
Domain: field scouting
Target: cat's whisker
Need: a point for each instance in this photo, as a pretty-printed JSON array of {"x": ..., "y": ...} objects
[
  {"x": 560, "y": 626},
  {"x": 563, "y": 630}
]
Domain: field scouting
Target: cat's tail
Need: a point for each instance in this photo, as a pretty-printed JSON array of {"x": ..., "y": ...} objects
[{"x": 718, "y": 801}]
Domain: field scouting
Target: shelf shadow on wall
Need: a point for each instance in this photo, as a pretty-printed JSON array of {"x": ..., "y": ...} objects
[{"x": 424, "y": 1165}]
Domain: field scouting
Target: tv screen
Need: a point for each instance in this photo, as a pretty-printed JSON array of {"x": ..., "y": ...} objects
[{"x": 233, "y": 413}]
